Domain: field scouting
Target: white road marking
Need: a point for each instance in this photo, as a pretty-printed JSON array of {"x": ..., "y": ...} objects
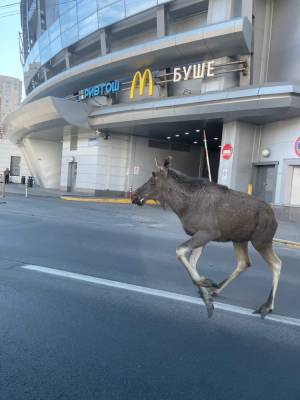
[{"x": 159, "y": 293}]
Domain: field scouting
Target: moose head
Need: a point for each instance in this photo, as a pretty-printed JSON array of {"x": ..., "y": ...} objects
[{"x": 153, "y": 188}]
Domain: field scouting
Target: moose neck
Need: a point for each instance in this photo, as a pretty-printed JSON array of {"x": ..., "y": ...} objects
[{"x": 175, "y": 196}]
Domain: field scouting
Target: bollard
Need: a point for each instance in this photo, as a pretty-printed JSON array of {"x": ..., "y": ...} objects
[{"x": 250, "y": 189}]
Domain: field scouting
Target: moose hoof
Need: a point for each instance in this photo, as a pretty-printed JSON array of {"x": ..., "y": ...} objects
[
  {"x": 208, "y": 301},
  {"x": 264, "y": 310},
  {"x": 210, "y": 309}
]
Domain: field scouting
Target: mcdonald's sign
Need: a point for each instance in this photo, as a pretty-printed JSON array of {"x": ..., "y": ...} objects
[{"x": 142, "y": 80}]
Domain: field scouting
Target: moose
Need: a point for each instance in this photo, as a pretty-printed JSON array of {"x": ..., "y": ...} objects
[{"x": 212, "y": 212}]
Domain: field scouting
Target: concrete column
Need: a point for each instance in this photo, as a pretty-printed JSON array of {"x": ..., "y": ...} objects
[
  {"x": 247, "y": 9},
  {"x": 161, "y": 21},
  {"x": 236, "y": 172},
  {"x": 103, "y": 42},
  {"x": 219, "y": 10},
  {"x": 245, "y": 80},
  {"x": 45, "y": 73},
  {"x": 67, "y": 59}
]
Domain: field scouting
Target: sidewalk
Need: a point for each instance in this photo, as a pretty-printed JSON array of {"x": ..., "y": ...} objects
[
  {"x": 288, "y": 230},
  {"x": 17, "y": 188}
]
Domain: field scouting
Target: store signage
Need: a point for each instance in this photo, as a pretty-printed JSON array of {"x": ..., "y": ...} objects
[
  {"x": 227, "y": 151},
  {"x": 140, "y": 80},
  {"x": 194, "y": 71},
  {"x": 101, "y": 89},
  {"x": 297, "y": 146},
  {"x": 191, "y": 71}
]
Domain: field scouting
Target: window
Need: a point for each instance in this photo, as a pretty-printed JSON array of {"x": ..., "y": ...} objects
[
  {"x": 86, "y": 8},
  {"x": 111, "y": 14},
  {"x": 88, "y": 25},
  {"x": 68, "y": 19}
]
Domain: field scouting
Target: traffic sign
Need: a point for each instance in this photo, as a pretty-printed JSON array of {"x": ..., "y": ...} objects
[
  {"x": 297, "y": 147},
  {"x": 227, "y": 151}
]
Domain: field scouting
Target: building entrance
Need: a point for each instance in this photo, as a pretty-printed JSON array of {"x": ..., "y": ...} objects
[
  {"x": 295, "y": 192},
  {"x": 265, "y": 182}
]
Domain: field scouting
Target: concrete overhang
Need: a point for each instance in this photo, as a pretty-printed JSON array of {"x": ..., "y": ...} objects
[
  {"x": 226, "y": 38},
  {"x": 43, "y": 115},
  {"x": 257, "y": 105}
]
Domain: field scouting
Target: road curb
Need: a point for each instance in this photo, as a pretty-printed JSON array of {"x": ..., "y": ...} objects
[
  {"x": 103, "y": 200},
  {"x": 288, "y": 243}
]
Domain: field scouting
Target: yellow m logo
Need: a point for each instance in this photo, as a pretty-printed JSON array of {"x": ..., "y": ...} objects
[{"x": 142, "y": 81}]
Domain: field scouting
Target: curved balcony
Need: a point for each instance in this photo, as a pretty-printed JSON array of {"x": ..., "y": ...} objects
[{"x": 78, "y": 19}]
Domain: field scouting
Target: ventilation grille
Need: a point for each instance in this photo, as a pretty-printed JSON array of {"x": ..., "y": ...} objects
[{"x": 159, "y": 144}]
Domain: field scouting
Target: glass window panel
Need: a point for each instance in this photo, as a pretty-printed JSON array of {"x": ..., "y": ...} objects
[
  {"x": 35, "y": 52},
  {"x": 65, "y": 5},
  {"x": 86, "y": 8},
  {"x": 111, "y": 14},
  {"x": 43, "y": 40},
  {"x": 45, "y": 55},
  {"x": 88, "y": 25},
  {"x": 56, "y": 46},
  {"x": 136, "y": 6},
  {"x": 68, "y": 19},
  {"x": 54, "y": 30},
  {"x": 69, "y": 37},
  {"x": 104, "y": 3}
]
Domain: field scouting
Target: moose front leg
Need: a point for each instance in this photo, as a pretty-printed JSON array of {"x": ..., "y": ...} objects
[{"x": 195, "y": 246}]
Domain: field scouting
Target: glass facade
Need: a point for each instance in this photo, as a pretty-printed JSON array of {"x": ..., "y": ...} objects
[{"x": 76, "y": 20}]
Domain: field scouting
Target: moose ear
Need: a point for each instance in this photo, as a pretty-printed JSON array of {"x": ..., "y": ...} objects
[{"x": 167, "y": 163}]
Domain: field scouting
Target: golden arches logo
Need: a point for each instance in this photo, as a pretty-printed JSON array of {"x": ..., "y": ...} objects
[{"x": 142, "y": 80}]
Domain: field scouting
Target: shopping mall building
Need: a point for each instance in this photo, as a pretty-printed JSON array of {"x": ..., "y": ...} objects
[{"x": 112, "y": 84}]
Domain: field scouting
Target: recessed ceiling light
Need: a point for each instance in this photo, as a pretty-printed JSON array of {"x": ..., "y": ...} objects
[
  {"x": 177, "y": 135},
  {"x": 195, "y": 142},
  {"x": 216, "y": 138},
  {"x": 187, "y": 133},
  {"x": 168, "y": 137},
  {"x": 197, "y": 130}
]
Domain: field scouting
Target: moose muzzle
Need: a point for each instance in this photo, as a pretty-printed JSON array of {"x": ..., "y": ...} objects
[{"x": 137, "y": 200}]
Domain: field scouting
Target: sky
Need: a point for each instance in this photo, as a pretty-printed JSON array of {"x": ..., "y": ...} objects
[{"x": 9, "y": 40}]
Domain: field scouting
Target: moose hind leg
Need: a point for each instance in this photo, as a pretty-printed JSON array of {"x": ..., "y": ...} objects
[
  {"x": 243, "y": 262},
  {"x": 275, "y": 264}
]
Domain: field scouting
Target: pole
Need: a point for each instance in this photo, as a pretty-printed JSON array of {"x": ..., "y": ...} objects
[
  {"x": 207, "y": 156},
  {"x": 3, "y": 185},
  {"x": 26, "y": 187}
]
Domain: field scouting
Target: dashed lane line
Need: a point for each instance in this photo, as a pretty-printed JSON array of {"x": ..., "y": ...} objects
[{"x": 158, "y": 293}]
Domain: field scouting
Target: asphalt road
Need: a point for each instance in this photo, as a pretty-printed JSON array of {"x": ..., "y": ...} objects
[{"x": 66, "y": 339}]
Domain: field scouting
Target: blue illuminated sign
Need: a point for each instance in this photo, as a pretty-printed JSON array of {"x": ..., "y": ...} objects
[{"x": 99, "y": 90}]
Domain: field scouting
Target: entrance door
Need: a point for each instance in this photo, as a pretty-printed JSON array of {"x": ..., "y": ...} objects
[
  {"x": 72, "y": 174},
  {"x": 265, "y": 182},
  {"x": 295, "y": 193},
  {"x": 15, "y": 165}
]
